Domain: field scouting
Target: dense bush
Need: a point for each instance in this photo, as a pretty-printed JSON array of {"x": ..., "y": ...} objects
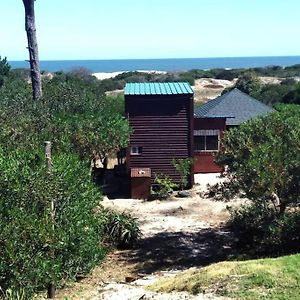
[
  {"x": 262, "y": 160},
  {"x": 73, "y": 114},
  {"x": 271, "y": 94},
  {"x": 286, "y": 92},
  {"x": 183, "y": 77},
  {"x": 293, "y": 96},
  {"x": 4, "y": 70},
  {"x": 120, "y": 80},
  {"x": 38, "y": 246},
  {"x": 261, "y": 231},
  {"x": 35, "y": 249},
  {"x": 249, "y": 83},
  {"x": 227, "y": 74}
]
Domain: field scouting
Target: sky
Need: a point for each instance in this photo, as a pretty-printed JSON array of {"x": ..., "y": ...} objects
[{"x": 135, "y": 29}]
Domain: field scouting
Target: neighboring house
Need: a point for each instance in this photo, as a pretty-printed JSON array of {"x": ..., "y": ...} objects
[
  {"x": 213, "y": 118},
  {"x": 161, "y": 116}
]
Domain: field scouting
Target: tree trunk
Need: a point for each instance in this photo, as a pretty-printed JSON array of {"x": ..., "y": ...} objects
[
  {"x": 282, "y": 208},
  {"x": 33, "y": 49}
]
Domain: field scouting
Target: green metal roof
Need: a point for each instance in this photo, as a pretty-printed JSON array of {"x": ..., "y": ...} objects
[{"x": 158, "y": 88}]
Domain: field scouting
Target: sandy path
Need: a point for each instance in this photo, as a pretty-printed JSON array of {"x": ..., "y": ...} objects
[{"x": 177, "y": 234}]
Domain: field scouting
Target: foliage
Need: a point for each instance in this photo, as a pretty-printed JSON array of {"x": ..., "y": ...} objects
[
  {"x": 263, "y": 158},
  {"x": 190, "y": 76},
  {"x": 293, "y": 96},
  {"x": 10, "y": 294},
  {"x": 248, "y": 83},
  {"x": 4, "y": 70},
  {"x": 82, "y": 73},
  {"x": 164, "y": 186},
  {"x": 183, "y": 167},
  {"x": 266, "y": 278},
  {"x": 33, "y": 251},
  {"x": 288, "y": 81},
  {"x": 271, "y": 94},
  {"x": 227, "y": 74},
  {"x": 4, "y": 67},
  {"x": 74, "y": 115},
  {"x": 261, "y": 231},
  {"x": 20, "y": 73},
  {"x": 286, "y": 92},
  {"x": 119, "y": 230},
  {"x": 184, "y": 77}
]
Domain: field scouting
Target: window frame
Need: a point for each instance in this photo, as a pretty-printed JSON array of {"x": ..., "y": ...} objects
[
  {"x": 139, "y": 150},
  {"x": 205, "y": 133}
]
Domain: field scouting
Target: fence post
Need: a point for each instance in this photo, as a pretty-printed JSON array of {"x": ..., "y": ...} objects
[{"x": 51, "y": 286}]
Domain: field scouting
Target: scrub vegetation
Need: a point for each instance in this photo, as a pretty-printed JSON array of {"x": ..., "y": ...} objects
[
  {"x": 39, "y": 245},
  {"x": 262, "y": 160},
  {"x": 53, "y": 228},
  {"x": 287, "y": 91}
]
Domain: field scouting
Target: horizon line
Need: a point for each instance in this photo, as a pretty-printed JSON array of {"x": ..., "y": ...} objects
[{"x": 161, "y": 58}]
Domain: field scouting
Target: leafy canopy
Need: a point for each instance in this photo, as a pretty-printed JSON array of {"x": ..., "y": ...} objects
[
  {"x": 78, "y": 119},
  {"x": 263, "y": 158}
]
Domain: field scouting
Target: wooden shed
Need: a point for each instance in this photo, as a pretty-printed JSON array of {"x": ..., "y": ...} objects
[{"x": 161, "y": 116}]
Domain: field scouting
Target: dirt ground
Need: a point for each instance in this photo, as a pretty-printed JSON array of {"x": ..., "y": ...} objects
[{"x": 178, "y": 234}]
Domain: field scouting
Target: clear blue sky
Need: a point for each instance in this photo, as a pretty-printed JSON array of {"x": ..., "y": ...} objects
[{"x": 113, "y": 29}]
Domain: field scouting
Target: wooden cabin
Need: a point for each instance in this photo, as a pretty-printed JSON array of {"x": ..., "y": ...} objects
[
  {"x": 161, "y": 116},
  {"x": 213, "y": 118}
]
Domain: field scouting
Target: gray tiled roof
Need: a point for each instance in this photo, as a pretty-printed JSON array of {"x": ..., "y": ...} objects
[{"x": 237, "y": 106}]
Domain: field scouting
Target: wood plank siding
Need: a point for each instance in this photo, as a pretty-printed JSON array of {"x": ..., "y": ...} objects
[
  {"x": 204, "y": 161},
  {"x": 163, "y": 127}
]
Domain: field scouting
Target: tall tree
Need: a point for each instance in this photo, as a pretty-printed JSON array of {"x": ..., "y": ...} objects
[
  {"x": 263, "y": 160},
  {"x": 33, "y": 48}
]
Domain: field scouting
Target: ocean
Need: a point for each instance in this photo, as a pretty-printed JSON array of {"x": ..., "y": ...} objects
[{"x": 172, "y": 64}]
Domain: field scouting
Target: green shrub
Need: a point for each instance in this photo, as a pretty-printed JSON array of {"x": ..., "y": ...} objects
[
  {"x": 4, "y": 66},
  {"x": 119, "y": 230},
  {"x": 33, "y": 251},
  {"x": 227, "y": 74},
  {"x": 183, "y": 167},
  {"x": 260, "y": 230},
  {"x": 262, "y": 159},
  {"x": 187, "y": 78},
  {"x": 163, "y": 186},
  {"x": 71, "y": 114}
]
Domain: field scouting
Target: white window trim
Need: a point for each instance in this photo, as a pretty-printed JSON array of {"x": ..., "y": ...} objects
[
  {"x": 134, "y": 150},
  {"x": 209, "y": 132}
]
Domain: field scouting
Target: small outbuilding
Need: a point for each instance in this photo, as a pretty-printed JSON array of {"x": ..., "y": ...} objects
[
  {"x": 161, "y": 116},
  {"x": 213, "y": 118}
]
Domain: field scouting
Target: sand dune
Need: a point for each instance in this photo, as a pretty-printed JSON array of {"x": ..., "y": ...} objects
[{"x": 107, "y": 75}]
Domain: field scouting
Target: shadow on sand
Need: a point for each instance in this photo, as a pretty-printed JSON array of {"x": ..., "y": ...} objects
[{"x": 180, "y": 250}]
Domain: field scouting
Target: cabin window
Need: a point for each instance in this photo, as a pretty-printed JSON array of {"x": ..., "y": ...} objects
[
  {"x": 136, "y": 150},
  {"x": 206, "y": 140}
]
